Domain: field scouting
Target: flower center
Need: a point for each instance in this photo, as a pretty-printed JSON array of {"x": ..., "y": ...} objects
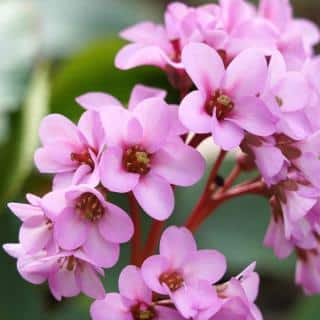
[
  {"x": 221, "y": 103},
  {"x": 136, "y": 160},
  {"x": 68, "y": 263},
  {"x": 173, "y": 280},
  {"x": 143, "y": 312},
  {"x": 89, "y": 207},
  {"x": 83, "y": 158}
]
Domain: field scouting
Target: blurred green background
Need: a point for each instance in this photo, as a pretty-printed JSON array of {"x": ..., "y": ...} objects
[{"x": 52, "y": 51}]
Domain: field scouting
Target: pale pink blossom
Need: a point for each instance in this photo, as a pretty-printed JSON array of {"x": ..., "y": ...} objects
[
  {"x": 83, "y": 218},
  {"x": 68, "y": 272},
  {"x": 226, "y": 102},
  {"x": 133, "y": 302},
  {"x": 185, "y": 273},
  {"x": 70, "y": 152},
  {"x": 145, "y": 153}
]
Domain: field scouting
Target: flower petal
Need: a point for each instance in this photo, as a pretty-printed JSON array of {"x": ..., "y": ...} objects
[
  {"x": 151, "y": 269},
  {"x": 97, "y": 101},
  {"x": 111, "y": 308},
  {"x": 132, "y": 285},
  {"x": 179, "y": 164},
  {"x": 116, "y": 226},
  {"x": 192, "y": 113},
  {"x": 113, "y": 176},
  {"x": 252, "y": 115},
  {"x": 246, "y": 75},
  {"x": 105, "y": 254},
  {"x": 141, "y": 92},
  {"x": 176, "y": 245},
  {"x": 226, "y": 134},
  {"x": 207, "y": 70},
  {"x": 209, "y": 265},
  {"x": 24, "y": 211},
  {"x": 89, "y": 282},
  {"x": 155, "y": 196},
  {"x": 70, "y": 231}
]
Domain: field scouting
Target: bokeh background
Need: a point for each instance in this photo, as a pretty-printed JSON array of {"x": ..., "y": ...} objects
[{"x": 52, "y": 51}]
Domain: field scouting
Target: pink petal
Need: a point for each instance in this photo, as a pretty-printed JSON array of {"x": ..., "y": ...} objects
[
  {"x": 165, "y": 313},
  {"x": 179, "y": 164},
  {"x": 293, "y": 90},
  {"x": 204, "y": 66},
  {"x": 14, "y": 250},
  {"x": 111, "y": 306},
  {"x": 246, "y": 75},
  {"x": 97, "y": 101},
  {"x": 55, "y": 158},
  {"x": 141, "y": 92},
  {"x": 155, "y": 196},
  {"x": 134, "y": 55},
  {"x": 151, "y": 269},
  {"x": 113, "y": 176},
  {"x": 192, "y": 113},
  {"x": 209, "y": 265},
  {"x": 252, "y": 115},
  {"x": 91, "y": 127},
  {"x": 134, "y": 132},
  {"x": 105, "y": 254},
  {"x": 70, "y": 230},
  {"x": 56, "y": 128},
  {"x": 54, "y": 203},
  {"x": 116, "y": 226},
  {"x": 226, "y": 134},
  {"x": 89, "y": 282},
  {"x": 63, "y": 284},
  {"x": 34, "y": 234},
  {"x": 269, "y": 160},
  {"x": 62, "y": 180},
  {"x": 132, "y": 285},
  {"x": 176, "y": 245},
  {"x": 154, "y": 116},
  {"x": 114, "y": 120},
  {"x": 25, "y": 211}
]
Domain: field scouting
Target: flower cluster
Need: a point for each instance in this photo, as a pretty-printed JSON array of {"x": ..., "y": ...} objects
[
  {"x": 246, "y": 78},
  {"x": 181, "y": 283}
]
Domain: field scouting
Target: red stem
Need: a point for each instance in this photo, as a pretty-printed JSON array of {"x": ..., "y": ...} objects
[
  {"x": 207, "y": 210},
  {"x": 153, "y": 238},
  {"x": 208, "y": 189},
  {"x": 136, "y": 239},
  {"x": 197, "y": 139},
  {"x": 233, "y": 176}
]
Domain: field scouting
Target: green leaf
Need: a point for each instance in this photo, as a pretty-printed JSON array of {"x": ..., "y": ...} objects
[
  {"x": 19, "y": 160},
  {"x": 93, "y": 70}
]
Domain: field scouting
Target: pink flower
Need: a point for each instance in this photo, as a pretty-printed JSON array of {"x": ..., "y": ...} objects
[
  {"x": 84, "y": 219},
  {"x": 239, "y": 294},
  {"x": 68, "y": 272},
  {"x": 70, "y": 152},
  {"x": 287, "y": 95},
  {"x": 36, "y": 232},
  {"x": 145, "y": 153},
  {"x": 133, "y": 302},
  {"x": 226, "y": 102},
  {"x": 308, "y": 271},
  {"x": 296, "y": 37},
  {"x": 185, "y": 273}
]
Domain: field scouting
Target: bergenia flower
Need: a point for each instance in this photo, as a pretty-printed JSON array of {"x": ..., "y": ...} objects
[
  {"x": 36, "y": 232},
  {"x": 68, "y": 272},
  {"x": 227, "y": 102},
  {"x": 308, "y": 270},
  {"x": 296, "y": 37},
  {"x": 185, "y": 273},
  {"x": 83, "y": 218},
  {"x": 239, "y": 295},
  {"x": 70, "y": 152},
  {"x": 133, "y": 302},
  {"x": 145, "y": 153}
]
